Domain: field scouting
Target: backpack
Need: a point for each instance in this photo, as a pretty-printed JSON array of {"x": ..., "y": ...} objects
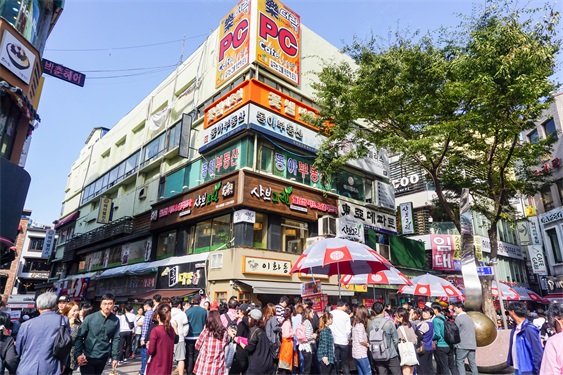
[
  {"x": 63, "y": 343},
  {"x": 300, "y": 334},
  {"x": 451, "y": 332},
  {"x": 378, "y": 344}
]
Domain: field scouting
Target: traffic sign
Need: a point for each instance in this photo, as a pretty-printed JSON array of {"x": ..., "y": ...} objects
[{"x": 485, "y": 271}]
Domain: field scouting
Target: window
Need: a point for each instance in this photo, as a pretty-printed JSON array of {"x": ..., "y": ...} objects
[
  {"x": 547, "y": 199},
  {"x": 266, "y": 158},
  {"x": 36, "y": 265},
  {"x": 259, "y": 237},
  {"x": 555, "y": 246},
  {"x": 560, "y": 188},
  {"x": 244, "y": 297},
  {"x": 221, "y": 297},
  {"x": 550, "y": 129},
  {"x": 187, "y": 240},
  {"x": 202, "y": 237},
  {"x": 174, "y": 137},
  {"x": 212, "y": 234},
  {"x": 534, "y": 136},
  {"x": 154, "y": 149},
  {"x": 166, "y": 245},
  {"x": 114, "y": 256},
  {"x": 216, "y": 260},
  {"x": 36, "y": 244},
  {"x": 294, "y": 234},
  {"x": 9, "y": 119}
]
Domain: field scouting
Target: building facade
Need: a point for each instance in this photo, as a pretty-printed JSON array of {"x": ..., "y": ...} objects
[
  {"x": 215, "y": 190},
  {"x": 24, "y": 28}
]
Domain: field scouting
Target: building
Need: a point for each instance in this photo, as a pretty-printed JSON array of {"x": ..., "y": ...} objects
[
  {"x": 542, "y": 230},
  {"x": 215, "y": 191},
  {"x": 24, "y": 28},
  {"x": 9, "y": 270}
]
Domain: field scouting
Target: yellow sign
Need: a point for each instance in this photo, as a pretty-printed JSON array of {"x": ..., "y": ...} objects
[
  {"x": 104, "y": 212},
  {"x": 278, "y": 42},
  {"x": 530, "y": 211},
  {"x": 266, "y": 266}
]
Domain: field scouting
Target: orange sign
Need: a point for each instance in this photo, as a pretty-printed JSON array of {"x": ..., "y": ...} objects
[
  {"x": 278, "y": 44},
  {"x": 263, "y": 95},
  {"x": 234, "y": 42}
]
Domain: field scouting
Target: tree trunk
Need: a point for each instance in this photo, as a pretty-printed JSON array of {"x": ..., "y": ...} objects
[{"x": 487, "y": 282}]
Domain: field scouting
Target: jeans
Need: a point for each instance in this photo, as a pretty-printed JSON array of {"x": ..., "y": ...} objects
[
  {"x": 307, "y": 362},
  {"x": 391, "y": 366},
  {"x": 135, "y": 343},
  {"x": 191, "y": 356},
  {"x": 95, "y": 366},
  {"x": 460, "y": 355},
  {"x": 341, "y": 357},
  {"x": 143, "y": 359},
  {"x": 362, "y": 365}
]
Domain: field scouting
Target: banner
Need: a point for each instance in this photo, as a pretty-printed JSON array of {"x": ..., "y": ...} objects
[
  {"x": 535, "y": 232},
  {"x": 104, "y": 211},
  {"x": 407, "y": 222},
  {"x": 350, "y": 228},
  {"x": 445, "y": 248},
  {"x": 48, "y": 243},
  {"x": 523, "y": 232},
  {"x": 535, "y": 252}
]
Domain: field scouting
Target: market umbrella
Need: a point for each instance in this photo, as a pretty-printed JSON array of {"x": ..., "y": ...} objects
[
  {"x": 386, "y": 277},
  {"x": 528, "y": 295},
  {"x": 508, "y": 293},
  {"x": 336, "y": 256},
  {"x": 430, "y": 286}
]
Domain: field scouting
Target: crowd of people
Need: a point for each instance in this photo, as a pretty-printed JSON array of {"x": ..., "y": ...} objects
[{"x": 180, "y": 337}]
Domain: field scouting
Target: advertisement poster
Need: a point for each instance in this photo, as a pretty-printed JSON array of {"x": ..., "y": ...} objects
[
  {"x": 407, "y": 221},
  {"x": 278, "y": 42},
  {"x": 445, "y": 248},
  {"x": 319, "y": 301},
  {"x": 234, "y": 42},
  {"x": 312, "y": 287}
]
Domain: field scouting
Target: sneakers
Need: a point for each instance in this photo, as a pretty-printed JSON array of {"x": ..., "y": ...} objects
[
  {"x": 124, "y": 359},
  {"x": 133, "y": 355}
]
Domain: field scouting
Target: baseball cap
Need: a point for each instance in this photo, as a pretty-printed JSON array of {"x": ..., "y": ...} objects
[
  {"x": 197, "y": 298},
  {"x": 243, "y": 307},
  {"x": 63, "y": 299},
  {"x": 255, "y": 314},
  {"x": 25, "y": 317},
  {"x": 214, "y": 306}
]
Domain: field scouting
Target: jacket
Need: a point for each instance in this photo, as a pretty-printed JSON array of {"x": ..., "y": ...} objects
[
  {"x": 8, "y": 357},
  {"x": 98, "y": 336},
  {"x": 438, "y": 322},
  {"x": 467, "y": 331},
  {"x": 528, "y": 349}
]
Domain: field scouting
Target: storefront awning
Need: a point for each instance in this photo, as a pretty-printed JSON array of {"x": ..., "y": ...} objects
[
  {"x": 555, "y": 297},
  {"x": 169, "y": 293},
  {"x": 67, "y": 219},
  {"x": 148, "y": 267},
  {"x": 78, "y": 276},
  {"x": 272, "y": 287}
]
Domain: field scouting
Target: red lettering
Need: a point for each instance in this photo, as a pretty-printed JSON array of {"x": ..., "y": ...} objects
[
  {"x": 288, "y": 43},
  {"x": 286, "y": 39},
  {"x": 234, "y": 39}
]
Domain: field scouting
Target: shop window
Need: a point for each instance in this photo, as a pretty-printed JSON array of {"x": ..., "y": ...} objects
[
  {"x": 266, "y": 158},
  {"x": 259, "y": 237},
  {"x": 166, "y": 245},
  {"x": 549, "y": 129},
  {"x": 555, "y": 245},
  {"x": 294, "y": 234},
  {"x": 244, "y": 297},
  {"x": 547, "y": 199},
  {"x": 221, "y": 233},
  {"x": 187, "y": 240},
  {"x": 114, "y": 256},
  {"x": 220, "y": 297},
  {"x": 202, "y": 237},
  {"x": 9, "y": 120}
]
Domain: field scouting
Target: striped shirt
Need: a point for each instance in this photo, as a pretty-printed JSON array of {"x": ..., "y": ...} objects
[
  {"x": 358, "y": 336},
  {"x": 279, "y": 313}
]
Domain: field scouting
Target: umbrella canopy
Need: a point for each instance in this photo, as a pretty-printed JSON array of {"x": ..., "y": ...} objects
[
  {"x": 336, "y": 256},
  {"x": 528, "y": 295},
  {"x": 430, "y": 286},
  {"x": 508, "y": 293},
  {"x": 386, "y": 277}
]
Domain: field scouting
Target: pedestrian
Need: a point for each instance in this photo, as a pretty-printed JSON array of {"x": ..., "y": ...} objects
[
  {"x": 231, "y": 314},
  {"x": 98, "y": 339},
  {"x": 425, "y": 333},
  {"x": 392, "y": 365},
  {"x": 197, "y": 317},
  {"x": 139, "y": 320},
  {"x": 180, "y": 324},
  {"x": 71, "y": 311},
  {"x": 211, "y": 346},
  {"x": 325, "y": 352},
  {"x": 260, "y": 360},
  {"x": 272, "y": 329},
  {"x": 525, "y": 350},
  {"x": 552, "y": 363},
  {"x": 341, "y": 330},
  {"x": 444, "y": 353},
  {"x": 467, "y": 347},
  {"x": 126, "y": 320},
  {"x": 85, "y": 310},
  {"x": 280, "y": 308},
  {"x": 240, "y": 360},
  {"x": 34, "y": 343},
  {"x": 285, "y": 363},
  {"x": 61, "y": 302},
  {"x": 406, "y": 334},
  {"x": 8, "y": 357},
  {"x": 161, "y": 342},
  {"x": 148, "y": 307},
  {"x": 360, "y": 343},
  {"x": 306, "y": 348}
]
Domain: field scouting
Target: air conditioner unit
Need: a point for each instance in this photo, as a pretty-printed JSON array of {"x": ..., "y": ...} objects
[
  {"x": 311, "y": 240},
  {"x": 294, "y": 246},
  {"x": 142, "y": 193},
  {"x": 327, "y": 226},
  {"x": 384, "y": 251}
]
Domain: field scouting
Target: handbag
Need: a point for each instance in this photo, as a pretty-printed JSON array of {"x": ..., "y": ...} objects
[
  {"x": 63, "y": 342},
  {"x": 131, "y": 324},
  {"x": 421, "y": 348},
  {"x": 407, "y": 351}
]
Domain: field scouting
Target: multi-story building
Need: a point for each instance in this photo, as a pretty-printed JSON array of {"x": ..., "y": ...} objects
[
  {"x": 208, "y": 184},
  {"x": 24, "y": 28},
  {"x": 9, "y": 270},
  {"x": 542, "y": 230}
]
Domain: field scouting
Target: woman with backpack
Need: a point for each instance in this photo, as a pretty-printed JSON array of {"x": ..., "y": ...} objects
[
  {"x": 360, "y": 343},
  {"x": 325, "y": 352},
  {"x": 272, "y": 329},
  {"x": 306, "y": 339},
  {"x": 406, "y": 334},
  {"x": 425, "y": 332}
]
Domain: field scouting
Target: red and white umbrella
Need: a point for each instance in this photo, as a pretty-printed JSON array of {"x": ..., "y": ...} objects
[
  {"x": 386, "y": 277},
  {"x": 529, "y": 295},
  {"x": 430, "y": 286},
  {"x": 508, "y": 293}
]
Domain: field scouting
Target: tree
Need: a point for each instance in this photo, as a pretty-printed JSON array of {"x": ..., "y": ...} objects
[{"x": 454, "y": 104}]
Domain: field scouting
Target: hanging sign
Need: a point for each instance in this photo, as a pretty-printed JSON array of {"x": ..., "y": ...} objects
[
  {"x": 62, "y": 72},
  {"x": 350, "y": 228},
  {"x": 48, "y": 243},
  {"x": 523, "y": 232},
  {"x": 407, "y": 222},
  {"x": 16, "y": 57},
  {"x": 537, "y": 259}
]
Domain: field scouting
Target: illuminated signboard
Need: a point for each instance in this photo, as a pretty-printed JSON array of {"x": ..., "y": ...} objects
[
  {"x": 278, "y": 40},
  {"x": 225, "y": 128},
  {"x": 234, "y": 42}
]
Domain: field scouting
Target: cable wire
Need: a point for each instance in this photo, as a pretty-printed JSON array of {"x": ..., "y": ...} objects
[{"x": 122, "y": 48}]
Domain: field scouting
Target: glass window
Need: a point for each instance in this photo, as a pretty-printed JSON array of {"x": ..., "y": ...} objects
[
  {"x": 98, "y": 186},
  {"x": 266, "y": 158},
  {"x": 36, "y": 265},
  {"x": 114, "y": 256},
  {"x": 187, "y": 244},
  {"x": 174, "y": 137},
  {"x": 9, "y": 120},
  {"x": 112, "y": 176},
  {"x": 294, "y": 234},
  {"x": 259, "y": 238},
  {"x": 221, "y": 297},
  {"x": 131, "y": 163},
  {"x": 534, "y": 137},
  {"x": 36, "y": 244},
  {"x": 221, "y": 231},
  {"x": 550, "y": 129},
  {"x": 166, "y": 245},
  {"x": 555, "y": 245},
  {"x": 202, "y": 237},
  {"x": 547, "y": 199}
]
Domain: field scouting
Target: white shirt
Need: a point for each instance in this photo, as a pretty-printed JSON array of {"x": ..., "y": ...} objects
[
  {"x": 181, "y": 319},
  {"x": 514, "y": 355},
  {"x": 341, "y": 327},
  {"x": 123, "y": 325}
]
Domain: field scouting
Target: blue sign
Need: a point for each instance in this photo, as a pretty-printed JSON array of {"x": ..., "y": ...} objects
[{"x": 485, "y": 271}]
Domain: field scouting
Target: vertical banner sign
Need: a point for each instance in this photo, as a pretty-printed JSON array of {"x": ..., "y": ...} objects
[
  {"x": 407, "y": 223},
  {"x": 48, "y": 243},
  {"x": 350, "y": 228},
  {"x": 104, "y": 210},
  {"x": 185, "y": 135},
  {"x": 278, "y": 43},
  {"x": 234, "y": 43},
  {"x": 535, "y": 252},
  {"x": 535, "y": 232},
  {"x": 523, "y": 232},
  {"x": 442, "y": 252}
]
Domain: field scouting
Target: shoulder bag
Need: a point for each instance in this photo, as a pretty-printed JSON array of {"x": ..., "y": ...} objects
[
  {"x": 407, "y": 351},
  {"x": 131, "y": 324},
  {"x": 63, "y": 342}
]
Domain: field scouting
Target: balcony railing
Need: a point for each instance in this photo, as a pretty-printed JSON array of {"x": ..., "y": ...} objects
[{"x": 116, "y": 228}]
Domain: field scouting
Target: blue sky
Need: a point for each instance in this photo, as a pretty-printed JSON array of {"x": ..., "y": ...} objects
[{"x": 104, "y": 35}]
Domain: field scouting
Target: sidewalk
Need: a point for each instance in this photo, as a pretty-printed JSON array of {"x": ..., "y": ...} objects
[{"x": 131, "y": 367}]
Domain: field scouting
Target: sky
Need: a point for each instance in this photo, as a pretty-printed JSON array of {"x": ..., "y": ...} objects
[{"x": 114, "y": 42}]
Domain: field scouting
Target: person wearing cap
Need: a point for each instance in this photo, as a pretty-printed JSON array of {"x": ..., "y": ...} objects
[
  {"x": 197, "y": 316},
  {"x": 260, "y": 359},
  {"x": 61, "y": 303}
]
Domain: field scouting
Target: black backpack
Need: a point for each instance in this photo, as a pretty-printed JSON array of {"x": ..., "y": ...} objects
[
  {"x": 451, "y": 332},
  {"x": 63, "y": 342}
]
